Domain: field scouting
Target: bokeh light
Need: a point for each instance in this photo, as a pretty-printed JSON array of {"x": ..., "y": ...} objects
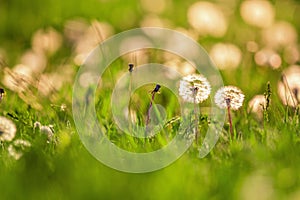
[
  {"x": 279, "y": 35},
  {"x": 268, "y": 58},
  {"x": 259, "y": 13},
  {"x": 289, "y": 86},
  {"x": 207, "y": 18},
  {"x": 226, "y": 56}
]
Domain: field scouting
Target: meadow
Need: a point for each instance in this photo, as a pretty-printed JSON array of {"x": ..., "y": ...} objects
[{"x": 255, "y": 47}]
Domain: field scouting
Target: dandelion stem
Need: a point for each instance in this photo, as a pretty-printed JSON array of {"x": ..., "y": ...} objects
[
  {"x": 155, "y": 90},
  {"x": 130, "y": 69},
  {"x": 195, "y": 90},
  {"x": 267, "y": 96},
  {"x": 150, "y": 106},
  {"x": 229, "y": 117}
]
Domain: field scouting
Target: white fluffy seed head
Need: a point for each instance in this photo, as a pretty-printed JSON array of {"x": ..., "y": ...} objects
[
  {"x": 194, "y": 88},
  {"x": 289, "y": 86},
  {"x": 17, "y": 148},
  {"x": 47, "y": 130},
  {"x": 256, "y": 106},
  {"x": 229, "y": 95},
  {"x": 7, "y": 129}
]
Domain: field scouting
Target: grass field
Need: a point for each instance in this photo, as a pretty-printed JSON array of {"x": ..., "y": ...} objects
[{"x": 50, "y": 38}]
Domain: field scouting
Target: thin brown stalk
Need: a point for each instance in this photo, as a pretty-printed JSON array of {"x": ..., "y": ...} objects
[
  {"x": 195, "y": 90},
  {"x": 229, "y": 117}
]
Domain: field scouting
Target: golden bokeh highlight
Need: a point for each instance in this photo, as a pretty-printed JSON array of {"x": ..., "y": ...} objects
[
  {"x": 207, "y": 19},
  {"x": 226, "y": 56},
  {"x": 154, "y": 6},
  {"x": 47, "y": 41},
  {"x": 90, "y": 37},
  {"x": 258, "y": 13},
  {"x": 279, "y": 35},
  {"x": 268, "y": 58}
]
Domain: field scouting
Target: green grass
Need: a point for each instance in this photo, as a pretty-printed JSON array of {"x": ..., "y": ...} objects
[{"x": 263, "y": 163}]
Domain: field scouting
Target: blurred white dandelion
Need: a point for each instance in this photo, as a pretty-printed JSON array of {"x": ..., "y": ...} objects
[
  {"x": 34, "y": 61},
  {"x": 226, "y": 56},
  {"x": 49, "y": 83},
  {"x": 16, "y": 149},
  {"x": 207, "y": 18},
  {"x": 280, "y": 34},
  {"x": 47, "y": 130},
  {"x": 17, "y": 79},
  {"x": 63, "y": 107},
  {"x": 7, "y": 129},
  {"x": 183, "y": 67},
  {"x": 75, "y": 29},
  {"x": 229, "y": 96},
  {"x": 47, "y": 41},
  {"x": 258, "y": 13},
  {"x": 268, "y": 57},
  {"x": 13, "y": 152},
  {"x": 291, "y": 54},
  {"x": 21, "y": 142},
  {"x": 256, "y": 106},
  {"x": 289, "y": 86},
  {"x": 194, "y": 88}
]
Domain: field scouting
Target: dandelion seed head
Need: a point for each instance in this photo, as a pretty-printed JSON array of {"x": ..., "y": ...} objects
[
  {"x": 7, "y": 129},
  {"x": 35, "y": 62},
  {"x": 22, "y": 143},
  {"x": 256, "y": 105},
  {"x": 18, "y": 79},
  {"x": 63, "y": 107},
  {"x": 289, "y": 86},
  {"x": 229, "y": 95},
  {"x": 47, "y": 130},
  {"x": 268, "y": 57},
  {"x": 16, "y": 149},
  {"x": 194, "y": 88},
  {"x": 47, "y": 41},
  {"x": 14, "y": 153}
]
